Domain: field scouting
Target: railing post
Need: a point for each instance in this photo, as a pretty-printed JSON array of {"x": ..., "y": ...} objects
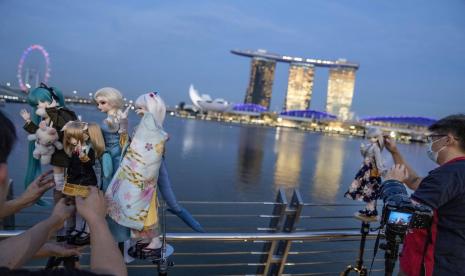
[
  {"x": 292, "y": 218},
  {"x": 279, "y": 211}
]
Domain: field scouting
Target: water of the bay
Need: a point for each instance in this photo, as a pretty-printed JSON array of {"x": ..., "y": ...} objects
[{"x": 215, "y": 161}]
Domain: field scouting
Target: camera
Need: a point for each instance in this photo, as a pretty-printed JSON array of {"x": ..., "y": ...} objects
[{"x": 399, "y": 215}]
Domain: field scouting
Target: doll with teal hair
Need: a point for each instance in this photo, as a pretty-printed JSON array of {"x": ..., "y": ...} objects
[{"x": 48, "y": 104}]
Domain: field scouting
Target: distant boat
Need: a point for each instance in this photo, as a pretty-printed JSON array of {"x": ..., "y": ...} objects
[
  {"x": 205, "y": 103},
  {"x": 2, "y": 102}
]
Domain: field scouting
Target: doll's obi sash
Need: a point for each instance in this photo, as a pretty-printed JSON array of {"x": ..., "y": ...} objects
[{"x": 132, "y": 190}]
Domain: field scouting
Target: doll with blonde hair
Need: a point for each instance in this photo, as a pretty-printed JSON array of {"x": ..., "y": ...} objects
[
  {"x": 114, "y": 127},
  {"x": 132, "y": 193},
  {"x": 83, "y": 143}
]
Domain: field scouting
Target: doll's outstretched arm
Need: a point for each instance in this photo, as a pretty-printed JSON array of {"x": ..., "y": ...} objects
[{"x": 166, "y": 191}]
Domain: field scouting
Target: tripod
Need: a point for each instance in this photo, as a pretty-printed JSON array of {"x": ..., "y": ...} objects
[{"x": 359, "y": 267}]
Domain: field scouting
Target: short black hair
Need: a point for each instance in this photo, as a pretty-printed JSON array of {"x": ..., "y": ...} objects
[
  {"x": 7, "y": 137},
  {"x": 454, "y": 124}
]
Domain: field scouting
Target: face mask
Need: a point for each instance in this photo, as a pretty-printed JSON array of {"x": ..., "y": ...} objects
[{"x": 433, "y": 155}]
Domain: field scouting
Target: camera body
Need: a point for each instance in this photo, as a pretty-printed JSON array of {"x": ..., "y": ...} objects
[{"x": 399, "y": 212}]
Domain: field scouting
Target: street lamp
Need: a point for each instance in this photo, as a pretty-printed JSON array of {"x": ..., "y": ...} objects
[
  {"x": 74, "y": 92},
  {"x": 8, "y": 84}
]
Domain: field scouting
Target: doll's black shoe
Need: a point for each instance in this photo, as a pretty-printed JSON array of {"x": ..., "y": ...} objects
[
  {"x": 78, "y": 238},
  {"x": 71, "y": 236},
  {"x": 368, "y": 213},
  {"x": 83, "y": 238},
  {"x": 135, "y": 251},
  {"x": 150, "y": 253}
]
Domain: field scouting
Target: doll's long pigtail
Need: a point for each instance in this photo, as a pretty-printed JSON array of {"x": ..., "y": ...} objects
[
  {"x": 96, "y": 139},
  {"x": 33, "y": 165}
]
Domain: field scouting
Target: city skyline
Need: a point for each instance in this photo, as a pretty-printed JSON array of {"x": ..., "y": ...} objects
[
  {"x": 412, "y": 61},
  {"x": 341, "y": 82}
]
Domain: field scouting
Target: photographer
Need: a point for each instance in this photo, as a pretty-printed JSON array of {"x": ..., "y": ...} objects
[{"x": 443, "y": 189}]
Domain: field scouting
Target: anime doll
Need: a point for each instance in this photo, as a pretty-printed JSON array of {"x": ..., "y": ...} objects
[
  {"x": 132, "y": 193},
  {"x": 115, "y": 132},
  {"x": 48, "y": 104},
  {"x": 366, "y": 184},
  {"x": 84, "y": 144}
]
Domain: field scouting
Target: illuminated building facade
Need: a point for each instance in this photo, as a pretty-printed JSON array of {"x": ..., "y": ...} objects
[
  {"x": 261, "y": 82},
  {"x": 300, "y": 83},
  {"x": 299, "y": 87},
  {"x": 341, "y": 85}
]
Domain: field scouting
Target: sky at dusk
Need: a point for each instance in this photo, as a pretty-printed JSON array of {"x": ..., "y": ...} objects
[{"x": 411, "y": 53}]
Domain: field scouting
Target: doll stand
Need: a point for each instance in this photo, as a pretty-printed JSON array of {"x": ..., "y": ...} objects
[{"x": 359, "y": 268}]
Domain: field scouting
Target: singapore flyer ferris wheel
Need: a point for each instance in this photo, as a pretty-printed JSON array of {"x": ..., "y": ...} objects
[{"x": 24, "y": 82}]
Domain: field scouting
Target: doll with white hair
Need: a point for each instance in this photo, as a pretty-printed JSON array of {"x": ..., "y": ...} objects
[
  {"x": 132, "y": 193},
  {"x": 365, "y": 187}
]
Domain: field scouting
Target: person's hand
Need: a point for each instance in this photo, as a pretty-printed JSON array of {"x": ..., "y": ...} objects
[
  {"x": 397, "y": 172},
  {"x": 61, "y": 212},
  {"x": 25, "y": 115},
  {"x": 390, "y": 144},
  {"x": 37, "y": 188},
  {"x": 60, "y": 250},
  {"x": 93, "y": 207}
]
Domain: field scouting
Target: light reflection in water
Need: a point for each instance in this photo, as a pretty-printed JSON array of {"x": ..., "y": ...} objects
[
  {"x": 250, "y": 156},
  {"x": 287, "y": 169},
  {"x": 188, "y": 138},
  {"x": 329, "y": 165}
]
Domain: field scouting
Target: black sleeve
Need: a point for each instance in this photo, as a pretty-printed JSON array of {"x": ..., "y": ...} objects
[
  {"x": 30, "y": 127},
  {"x": 436, "y": 189}
]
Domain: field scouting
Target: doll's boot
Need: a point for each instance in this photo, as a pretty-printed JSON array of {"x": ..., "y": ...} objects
[{"x": 188, "y": 219}]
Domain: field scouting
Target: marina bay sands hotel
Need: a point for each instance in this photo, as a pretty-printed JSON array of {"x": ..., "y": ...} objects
[{"x": 300, "y": 82}]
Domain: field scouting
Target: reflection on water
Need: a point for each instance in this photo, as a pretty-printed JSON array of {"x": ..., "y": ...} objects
[
  {"x": 188, "y": 139},
  {"x": 288, "y": 146},
  {"x": 328, "y": 171},
  {"x": 250, "y": 156}
]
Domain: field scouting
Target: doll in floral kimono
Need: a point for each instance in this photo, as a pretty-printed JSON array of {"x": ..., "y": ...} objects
[
  {"x": 365, "y": 187},
  {"x": 84, "y": 144},
  {"x": 132, "y": 193}
]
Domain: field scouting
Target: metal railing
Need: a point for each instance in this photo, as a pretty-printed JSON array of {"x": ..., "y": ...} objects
[{"x": 279, "y": 248}]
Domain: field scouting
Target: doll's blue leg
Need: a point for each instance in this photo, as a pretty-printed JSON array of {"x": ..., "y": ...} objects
[{"x": 166, "y": 191}]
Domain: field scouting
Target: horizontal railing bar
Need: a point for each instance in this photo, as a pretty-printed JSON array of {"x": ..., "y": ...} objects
[
  {"x": 323, "y": 273},
  {"x": 326, "y": 217},
  {"x": 333, "y": 204},
  {"x": 328, "y": 229},
  {"x": 233, "y": 202},
  {"x": 219, "y": 253},
  {"x": 326, "y": 262},
  {"x": 262, "y": 253},
  {"x": 201, "y": 265},
  {"x": 301, "y": 236}
]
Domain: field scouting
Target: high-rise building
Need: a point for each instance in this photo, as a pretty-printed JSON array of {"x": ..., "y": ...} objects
[
  {"x": 341, "y": 85},
  {"x": 299, "y": 87},
  {"x": 261, "y": 82}
]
